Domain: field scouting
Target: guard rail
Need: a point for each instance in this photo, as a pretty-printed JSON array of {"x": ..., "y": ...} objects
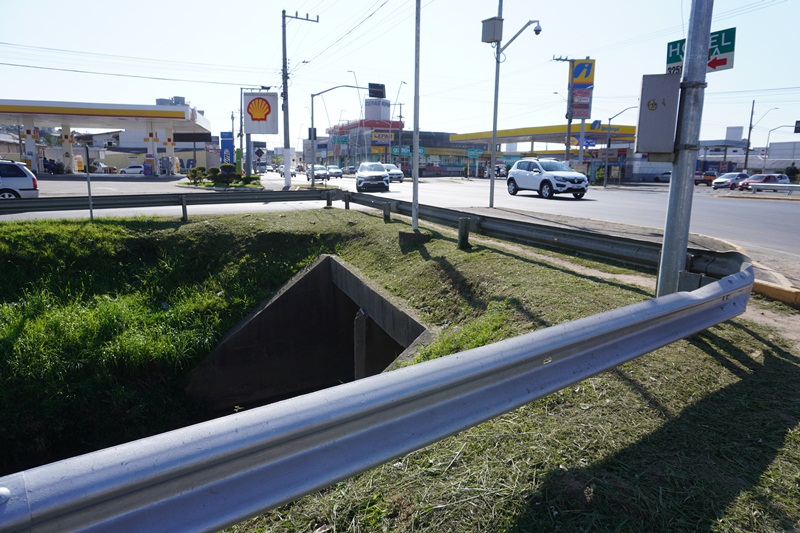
[
  {"x": 67, "y": 203},
  {"x": 214, "y": 474},
  {"x": 777, "y": 187}
]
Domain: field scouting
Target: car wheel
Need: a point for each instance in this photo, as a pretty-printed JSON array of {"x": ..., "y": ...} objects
[
  {"x": 8, "y": 195},
  {"x": 578, "y": 195},
  {"x": 546, "y": 190},
  {"x": 122, "y": 172},
  {"x": 512, "y": 187},
  {"x": 708, "y": 184},
  {"x": 401, "y": 180},
  {"x": 359, "y": 189},
  {"x": 656, "y": 180}
]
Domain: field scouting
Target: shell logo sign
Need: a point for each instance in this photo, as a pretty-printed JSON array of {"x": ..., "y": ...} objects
[
  {"x": 259, "y": 116},
  {"x": 258, "y": 109}
]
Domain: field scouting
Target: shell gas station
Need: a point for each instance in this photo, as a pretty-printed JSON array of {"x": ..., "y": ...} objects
[{"x": 158, "y": 125}]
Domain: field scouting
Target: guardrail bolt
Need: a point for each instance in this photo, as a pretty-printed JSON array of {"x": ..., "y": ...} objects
[{"x": 5, "y": 495}]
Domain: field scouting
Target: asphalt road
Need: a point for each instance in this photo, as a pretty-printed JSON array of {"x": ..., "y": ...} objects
[{"x": 765, "y": 225}]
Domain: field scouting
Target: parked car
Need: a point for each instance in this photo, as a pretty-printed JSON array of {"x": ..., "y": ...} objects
[
  {"x": 133, "y": 169},
  {"x": 705, "y": 177},
  {"x": 371, "y": 176},
  {"x": 499, "y": 171},
  {"x": 349, "y": 169},
  {"x": 744, "y": 185},
  {"x": 395, "y": 174},
  {"x": 318, "y": 172},
  {"x": 334, "y": 171},
  {"x": 547, "y": 176},
  {"x": 729, "y": 180},
  {"x": 102, "y": 168},
  {"x": 17, "y": 181},
  {"x": 663, "y": 177},
  {"x": 269, "y": 168}
]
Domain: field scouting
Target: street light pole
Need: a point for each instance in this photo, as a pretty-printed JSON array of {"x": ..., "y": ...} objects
[
  {"x": 608, "y": 141},
  {"x": 358, "y": 128},
  {"x": 766, "y": 153},
  {"x": 391, "y": 125},
  {"x": 750, "y": 131},
  {"x": 498, "y": 51}
]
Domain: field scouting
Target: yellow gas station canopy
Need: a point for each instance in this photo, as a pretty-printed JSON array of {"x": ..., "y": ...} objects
[
  {"x": 595, "y": 133},
  {"x": 180, "y": 118}
]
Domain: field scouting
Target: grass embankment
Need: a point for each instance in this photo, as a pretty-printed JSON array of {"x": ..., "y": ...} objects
[{"x": 99, "y": 324}]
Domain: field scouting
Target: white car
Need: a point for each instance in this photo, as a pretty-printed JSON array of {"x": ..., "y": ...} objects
[
  {"x": 318, "y": 172},
  {"x": 334, "y": 171},
  {"x": 546, "y": 176},
  {"x": 395, "y": 174},
  {"x": 729, "y": 180},
  {"x": 17, "y": 181},
  {"x": 372, "y": 176},
  {"x": 133, "y": 169}
]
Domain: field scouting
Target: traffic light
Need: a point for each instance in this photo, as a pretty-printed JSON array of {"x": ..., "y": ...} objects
[
  {"x": 377, "y": 90},
  {"x": 312, "y": 134}
]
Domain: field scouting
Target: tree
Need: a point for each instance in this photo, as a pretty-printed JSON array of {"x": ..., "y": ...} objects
[{"x": 792, "y": 171}]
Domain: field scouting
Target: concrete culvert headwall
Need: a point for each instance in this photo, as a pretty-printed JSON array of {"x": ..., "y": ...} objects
[{"x": 325, "y": 327}]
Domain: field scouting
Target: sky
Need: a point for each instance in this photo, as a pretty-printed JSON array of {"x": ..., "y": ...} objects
[{"x": 135, "y": 52}]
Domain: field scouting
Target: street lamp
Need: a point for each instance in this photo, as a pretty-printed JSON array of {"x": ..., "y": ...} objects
[
  {"x": 750, "y": 131},
  {"x": 313, "y": 132},
  {"x": 493, "y": 33},
  {"x": 358, "y": 128},
  {"x": 766, "y": 153},
  {"x": 391, "y": 126},
  {"x": 608, "y": 141}
]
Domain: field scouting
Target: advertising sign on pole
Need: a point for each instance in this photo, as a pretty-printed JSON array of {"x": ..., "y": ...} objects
[
  {"x": 260, "y": 113},
  {"x": 226, "y": 147}
]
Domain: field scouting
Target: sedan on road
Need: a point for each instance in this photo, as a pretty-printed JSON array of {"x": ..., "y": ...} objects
[
  {"x": 395, "y": 174},
  {"x": 334, "y": 171},
  {"x": 318, "y": 172}
]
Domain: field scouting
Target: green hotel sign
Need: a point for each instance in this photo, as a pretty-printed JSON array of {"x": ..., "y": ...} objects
[{"x": 720, "y": 52}]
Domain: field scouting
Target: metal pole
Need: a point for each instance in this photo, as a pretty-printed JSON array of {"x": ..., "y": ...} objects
[
  {"x": 313, "y": 143},
  {"x": 608, "y": 149},
  {"x": 415, "y": 149},
  {"x": 89, "y": 185},
  {"x": 241, "y": 120},
  {"x": 749, "y": 132},
  {"x": 568, "y": 138},
  {"x": 493, "y": 160},
  {"x": 681, "y": 187},
  {"x": 285, "y": 98},
  {"x": 766, "y": 152}
]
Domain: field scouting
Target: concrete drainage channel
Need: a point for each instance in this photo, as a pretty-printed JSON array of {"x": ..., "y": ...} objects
[{"x": 325, "y": 327}]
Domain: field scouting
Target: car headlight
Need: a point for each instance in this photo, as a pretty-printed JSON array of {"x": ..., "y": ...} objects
[{"x": 560, "y": 179}]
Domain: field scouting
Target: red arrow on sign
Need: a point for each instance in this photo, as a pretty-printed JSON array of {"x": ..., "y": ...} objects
[{"x": 717, "y": 62}]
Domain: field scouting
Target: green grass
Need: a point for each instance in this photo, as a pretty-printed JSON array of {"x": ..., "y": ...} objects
[{"x": 100, "y": 323}]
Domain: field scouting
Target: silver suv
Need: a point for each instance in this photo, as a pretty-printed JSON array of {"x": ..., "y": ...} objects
[
  {"x": 16, "y": 181},
  {"x": 547, "y": 177}
]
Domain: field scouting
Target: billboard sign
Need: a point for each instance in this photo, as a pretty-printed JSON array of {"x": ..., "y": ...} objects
[
  {"x": 226, "y": 147},
  {"x": 260, "y": 113}
]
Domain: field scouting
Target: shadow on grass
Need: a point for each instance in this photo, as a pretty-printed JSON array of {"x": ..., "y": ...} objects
[{"x": 687, "y": 474}]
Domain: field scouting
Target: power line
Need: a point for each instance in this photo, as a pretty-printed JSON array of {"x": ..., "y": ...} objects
[{"x": 158, "y": 78}]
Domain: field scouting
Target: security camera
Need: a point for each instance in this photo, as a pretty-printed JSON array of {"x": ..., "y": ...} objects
[{"x": 537, "y": 29}]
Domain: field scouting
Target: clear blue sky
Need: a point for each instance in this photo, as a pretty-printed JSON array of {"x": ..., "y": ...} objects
[{"x": 208, "y": 50}]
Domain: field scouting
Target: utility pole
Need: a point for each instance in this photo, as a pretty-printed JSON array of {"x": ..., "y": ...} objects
[
  {"x": 285, "y": 93},
  {"x": 681, "y": 186},
  {"x": 749, "y": 131}
]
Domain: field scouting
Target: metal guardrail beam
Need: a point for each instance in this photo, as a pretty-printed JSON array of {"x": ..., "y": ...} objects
[
  {"x": 218, "y": 473},
  {"x": 777, "y": 187},
  {"x": 63, "y": 203}
]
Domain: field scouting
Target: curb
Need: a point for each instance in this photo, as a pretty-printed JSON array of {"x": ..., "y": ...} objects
[{"x": 787, "y": 295}]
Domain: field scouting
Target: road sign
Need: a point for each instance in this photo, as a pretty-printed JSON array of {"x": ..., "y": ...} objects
[
  {"x": 797, "y": 126},
  {"x": 473, "y": 153},
  {"x": 259, "y": 152},
  {"x": 581, "y": 74},
  {"x": 720, "y": 52}
]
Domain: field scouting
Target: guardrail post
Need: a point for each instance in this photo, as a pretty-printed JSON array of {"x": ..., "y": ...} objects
[
  {"x": 347, "y": 200},
  {"x": 329, "y": 199},
  {"x": 463, "y": 233},
  {"x": 387, "y": 212},
  {"x": 185, "y": 217}
]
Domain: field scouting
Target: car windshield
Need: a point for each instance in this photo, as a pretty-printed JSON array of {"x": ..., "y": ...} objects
[
  {"x": 729, "y": 175},
  {"x": 555, "y": 166},
  {"x": 333, "y": 167},
  {"x": 389, "y": 166},
  {"x": 372, "y": 167}
]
